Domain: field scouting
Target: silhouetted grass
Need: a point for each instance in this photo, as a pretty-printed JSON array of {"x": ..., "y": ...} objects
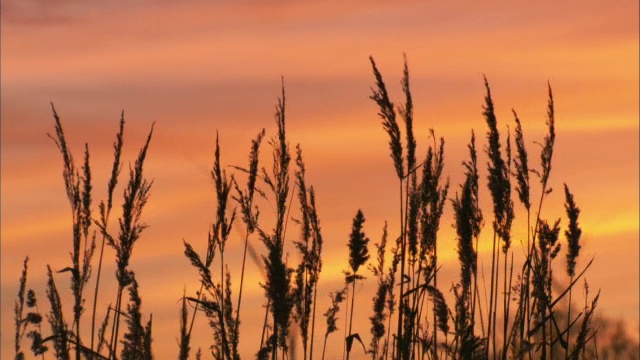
[
  {"x": 358, "y": 256},
  {"x": 408, "y": 294},
  {"x": 64, "y": 335}
]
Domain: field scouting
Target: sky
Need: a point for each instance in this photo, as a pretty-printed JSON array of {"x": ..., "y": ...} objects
[{"x": 197, "y": 68}]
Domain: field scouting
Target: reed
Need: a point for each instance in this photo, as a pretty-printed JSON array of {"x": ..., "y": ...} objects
[
  {"x": 572, "y": 234},
  {"x": 358, "y": 256},
  {"x": 310, "y": 266},
  {"x": 105, "y": 212},
  {"x": 249, "y": 213},
  {"x": 468, "y": 221},
  {"x": 131, "y": 227},
  {"x": 278, "y": 275}
]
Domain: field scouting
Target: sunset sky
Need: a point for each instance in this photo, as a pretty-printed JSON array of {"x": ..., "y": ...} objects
[{"x": 201, "y": 66}]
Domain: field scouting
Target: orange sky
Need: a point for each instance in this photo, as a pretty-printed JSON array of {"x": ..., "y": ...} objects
[{"x": 195, "y": 67}]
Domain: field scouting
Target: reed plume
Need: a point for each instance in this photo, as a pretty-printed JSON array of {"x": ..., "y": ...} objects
[
  {"x": 388, "y": 115},
  {"x": 572, "y": 234}
]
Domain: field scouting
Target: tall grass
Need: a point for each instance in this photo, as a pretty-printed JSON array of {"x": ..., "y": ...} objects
[
  {"x": 66, "y": 335},
  {"x": 533, "y": 329},
  {"x": 411, "y": 318}
]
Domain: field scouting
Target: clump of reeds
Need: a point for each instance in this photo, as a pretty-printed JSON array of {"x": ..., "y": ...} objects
[
  {"x": 66, "y": 336},
  {"x": 533, "y": 330},
  {"x": 291, "y": 292},
  {"x": 216, "y": 302},
  {"x": 218, "y": 305},
  {"x": 421, "y": 206},
  {"x": 407, "y": 287}
]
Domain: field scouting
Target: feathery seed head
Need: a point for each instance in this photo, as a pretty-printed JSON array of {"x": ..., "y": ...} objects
[
  {"x": 358, "y": 251},
  {"x": 573, "y": 232}
]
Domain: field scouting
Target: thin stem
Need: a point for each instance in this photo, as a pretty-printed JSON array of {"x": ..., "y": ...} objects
[
  {"x": 116, "y": 322},
  {"x": 95, "y": 294},
  {"x": 353, "y": 297},
  {"x": 274, "y": 352},
  {"x": 566, "y": 350},
  {"x": 505, "y": 298},
  {"x": 324, "y": 347},
  {"x": 244, "y": 259},
  {"x": 386, "y": 342},
  {"x": 524, "y": 289},
  {"x": 344, "y": 346},
  {"x": 475, "y": 294},
  {"x": 225, "y": 340},
  {"x": 435, "y": 285},
  {"x": 195, "y": 310},
  {"x": 264, "y": 324},
  {"x": 491, "y": 304},
  {"x": 400, "y": 341},
  {"x": 313, "y": 319},
  {"x": 304, "y": 311},
  {"x": 495, "y": 302},
  {"x": 78, "y": 337}
]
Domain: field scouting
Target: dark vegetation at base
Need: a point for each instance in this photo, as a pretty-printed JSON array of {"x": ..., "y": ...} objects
[{"x": 522, "y": 318}]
